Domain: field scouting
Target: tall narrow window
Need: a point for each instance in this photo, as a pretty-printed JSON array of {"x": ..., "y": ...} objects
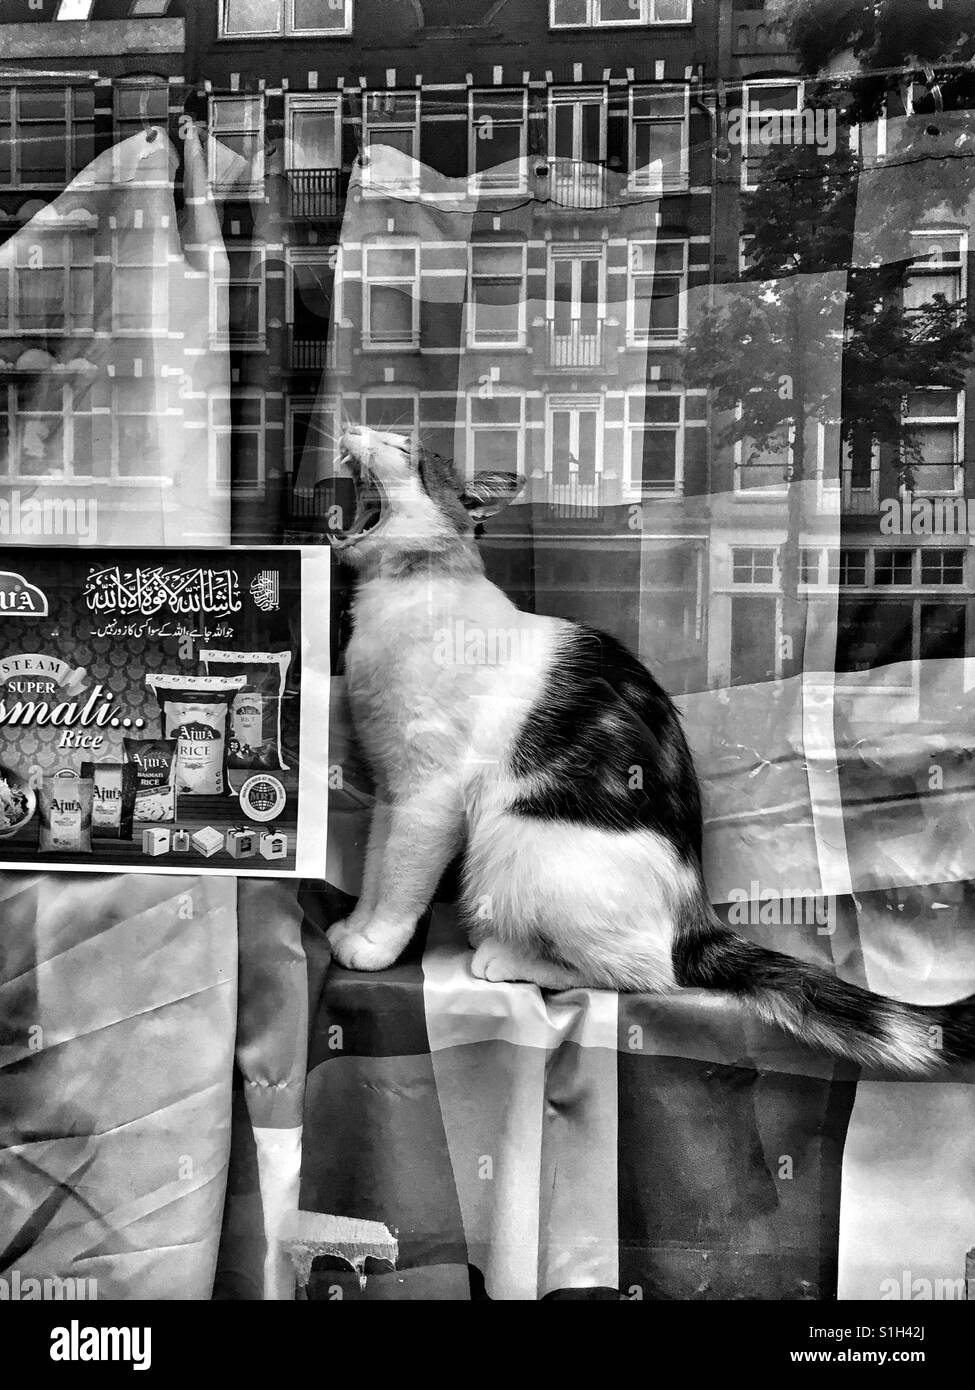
[
  {"x": 655, "y": 442},
  {"x": 656, "y": 304},
  {"x": 140, "y": 103},
  {"x": 498, "y": 137},
  {"x": 140, "y": 276},
  {"x": 391, "y": 120},
  {"x": 933, "y": 421},
  {"x": 577, "y": 146},
  {"x": 770, "y": 110},
  {"x": 236, "y": 147},
  {"x": 658, "y": 138},
  {"x": 53, "y": 290},
  {"x": 238, "y": 287},
  {"x": 392, "y": 298},
  {"x": 497, "y": 295},
  {"x": 495, "y": 433},
  {"x": 937, "y": 269}
]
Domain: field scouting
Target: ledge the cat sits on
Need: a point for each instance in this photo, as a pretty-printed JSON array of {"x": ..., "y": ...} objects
[{"x": 514, "y": 737}]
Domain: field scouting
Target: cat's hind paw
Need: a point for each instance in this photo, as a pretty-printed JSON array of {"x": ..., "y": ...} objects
[{"x": 359, "y": 949}]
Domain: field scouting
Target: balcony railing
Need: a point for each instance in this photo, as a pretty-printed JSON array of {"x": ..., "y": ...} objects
[
  {"x": 318, "y": 193},
  {"x": 572, "y": 346},
  {"x": 576, "y": 183},
  {"x": 573, "y": 499},
  {"x": 309, "y": 354}
]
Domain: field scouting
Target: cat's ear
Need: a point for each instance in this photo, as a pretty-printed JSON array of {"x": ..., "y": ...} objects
[{"x": 486, "y": 494}]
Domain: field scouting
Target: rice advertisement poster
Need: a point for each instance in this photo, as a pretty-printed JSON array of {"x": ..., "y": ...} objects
[{"x": 164, "y": 711}]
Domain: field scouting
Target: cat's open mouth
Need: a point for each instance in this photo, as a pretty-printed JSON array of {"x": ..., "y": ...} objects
[{"x": 369, "y": 505}]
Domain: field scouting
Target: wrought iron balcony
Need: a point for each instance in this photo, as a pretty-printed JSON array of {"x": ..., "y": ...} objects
[{"x": 318, "y": 193}]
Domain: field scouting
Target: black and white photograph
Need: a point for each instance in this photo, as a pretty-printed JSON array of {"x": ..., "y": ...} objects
[{"x": 487, "y": 661}]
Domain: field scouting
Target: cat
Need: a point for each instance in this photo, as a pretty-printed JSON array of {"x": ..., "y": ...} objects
[{"x": 514, "y": 738}]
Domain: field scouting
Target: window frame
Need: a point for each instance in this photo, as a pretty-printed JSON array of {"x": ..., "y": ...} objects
[
  {"x": 647, "y": 17},
  {"x": 764, "y": 493},
  {"x": 958, "y": 421},
  {"x": 671, "y": 184},
  {"x": 391, "y": 244},
  {"x": 928, "y": 268},
  {"x": 15, "y": 415},
  {"x": 635, "y": 490},
  {"x": 321, "y": 102},
  {"x": 224, "y": 337},
  {"x": 286, "y": 27},
  {"x": 520, "y": 337},
  {"x": 237, "y": 191},
  {"x": 633, "y": 338},
  {"x": 158, "y": 282},
  {"x": 483, "y": 179},
  {"x": 215, "y": 432},
  {"x": 371, "y": 96},
  {"x": 472, "y": 428},
  {"x": 11, "y": 325},
  {"x": 397, "y": 393},
  {"x": 746, "y": 89},
  {"x": 72, "y": 163}
]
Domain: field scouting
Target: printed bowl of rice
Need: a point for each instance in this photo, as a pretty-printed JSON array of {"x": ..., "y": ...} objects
[{"x": 18, "y": 802}]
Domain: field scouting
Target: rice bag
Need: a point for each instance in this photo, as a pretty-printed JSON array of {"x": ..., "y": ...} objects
[
  {"x": 196, "y": 713},
  {"x": 255, "y": 717},
  {"x": 153, "y": 780},
  {"x": 64, "y": 806},
  {"x": 113, "y": 799}
]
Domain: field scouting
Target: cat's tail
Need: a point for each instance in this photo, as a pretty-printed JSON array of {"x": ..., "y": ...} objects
[{"x": 820, "y": 1009}]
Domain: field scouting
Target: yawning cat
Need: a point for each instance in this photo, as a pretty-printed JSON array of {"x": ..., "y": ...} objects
[{"x": 552, "y": 757}]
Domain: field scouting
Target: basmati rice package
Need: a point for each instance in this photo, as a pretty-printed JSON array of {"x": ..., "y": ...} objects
[
  {"x": 153, "y": 778},
  {"x": 64, "y": 805},
  {"x": 113, "y": 799},
  {"x": 196, "y": 713},
  {"x": 255, "y": 719}
]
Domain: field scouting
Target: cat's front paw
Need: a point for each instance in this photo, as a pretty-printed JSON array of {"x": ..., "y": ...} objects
[{"x": 359, "y": 948}]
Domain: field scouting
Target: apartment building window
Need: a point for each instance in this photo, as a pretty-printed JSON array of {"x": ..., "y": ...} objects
[
  {"x": 768, "y": 108},
  {"x": 236, "y": 437},
  {"x": 934, "y": 420},
  {"x": 498, "y": 138},
  {"x": 577, "y": 146},
  {"x": 657, "y": 299},
  {"x": 238, "y": 296},
  {"x": 576, "y": 295},
  {"x": 314, "y": 132},
  {"x": 893, "y": 566},
  {"x": 574, "y": 442},
  {"x": 853, "y": 568},
  {"x": 588, "y": 14},
  {"x": 236, "y": 145},
  {"x": 937, "y": 268},
  {"x": 140, "y": 103},
  {"x": 753, "y": 564},
  {"x": 391, "y": 290},
  {"x": 50, "y": 288},
  {"x": 942, "y": 567},
  {"x": 312, "y": 432},
  {"x": 241, "y": 19},
  {"x": 764, "y": 469},
  {"x": 658, "y": 138},
  {"x": 392, "y": 119},
  {"x": 495, "y": 432},
  {"x": 45, "y": 428},
  {"x": 46, "y": 134},
  {"x": 396, "y": 412},
  {"x": 309, "y": 306},
  {"x": 655, "y": 442},
  {"x": 497, "y": 295},
  {"x": 140, "y": 280}
]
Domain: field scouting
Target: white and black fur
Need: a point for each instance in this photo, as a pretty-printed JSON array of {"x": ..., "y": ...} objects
[{"x": 562, "y": 772}]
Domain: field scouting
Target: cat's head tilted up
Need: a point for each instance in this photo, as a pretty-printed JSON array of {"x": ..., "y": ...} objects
[{"x": 410, "y": 503}]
